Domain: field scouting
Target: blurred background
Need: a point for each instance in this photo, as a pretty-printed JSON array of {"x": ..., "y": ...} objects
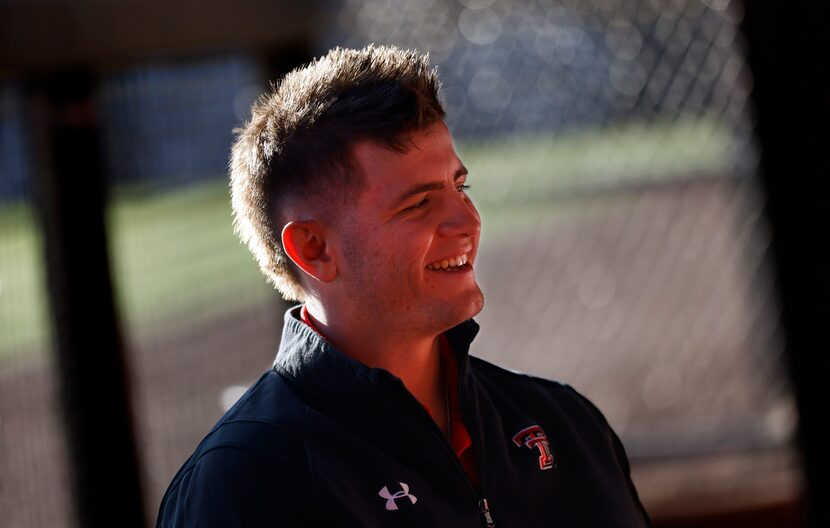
[{"x": 614, "y": 156}]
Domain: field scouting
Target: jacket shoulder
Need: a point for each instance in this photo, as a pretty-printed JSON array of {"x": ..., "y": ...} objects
[
  {"x": 521, "y": 383},
  {"x": 550, "y": 395},
  {"x": 252, "y": 462}
]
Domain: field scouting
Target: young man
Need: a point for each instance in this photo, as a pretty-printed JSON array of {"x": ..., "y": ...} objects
[{"x": 348, "y": 191}]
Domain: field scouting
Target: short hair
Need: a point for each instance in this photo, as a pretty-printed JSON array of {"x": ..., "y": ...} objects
[{"x": 298, "y": 143}]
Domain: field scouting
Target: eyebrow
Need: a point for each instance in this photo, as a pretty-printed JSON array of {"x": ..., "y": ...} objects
[{"x": 430, "y": 186}]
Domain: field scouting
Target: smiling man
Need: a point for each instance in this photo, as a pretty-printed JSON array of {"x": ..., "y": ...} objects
[{"x": 348, "y": 191}]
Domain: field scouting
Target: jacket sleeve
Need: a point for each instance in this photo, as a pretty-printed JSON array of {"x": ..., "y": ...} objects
[
  {"x": 619, "y": 451},
  {"x": 231, "y": 487}
]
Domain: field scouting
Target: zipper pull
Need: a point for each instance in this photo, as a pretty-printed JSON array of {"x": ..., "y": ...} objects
[{"x": 485, "y": 514}]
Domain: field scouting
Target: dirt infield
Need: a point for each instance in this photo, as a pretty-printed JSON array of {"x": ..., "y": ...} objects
[{"x": 652, "y": 303}]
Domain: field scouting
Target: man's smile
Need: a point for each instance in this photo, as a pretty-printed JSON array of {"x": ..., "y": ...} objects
[{"x": 459, "y": 263}]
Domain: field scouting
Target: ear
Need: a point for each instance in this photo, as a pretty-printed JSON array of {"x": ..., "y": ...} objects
[{"x": 305, "y": 244}]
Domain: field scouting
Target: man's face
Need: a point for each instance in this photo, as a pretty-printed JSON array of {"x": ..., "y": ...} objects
[{"x": 410, "y": 240}]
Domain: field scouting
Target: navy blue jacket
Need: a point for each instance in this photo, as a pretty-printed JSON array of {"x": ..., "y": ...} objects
[{"x": 322, "y": 440}]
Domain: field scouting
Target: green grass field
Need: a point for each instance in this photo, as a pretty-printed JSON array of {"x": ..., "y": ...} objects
[{"x": 177, "y": 262}]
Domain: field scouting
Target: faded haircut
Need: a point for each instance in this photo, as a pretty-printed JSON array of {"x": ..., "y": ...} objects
[{"x": 298, "y": 142}]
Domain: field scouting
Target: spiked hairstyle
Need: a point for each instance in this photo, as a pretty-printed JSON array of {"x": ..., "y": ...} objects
[{"x": 298, "y": 142}]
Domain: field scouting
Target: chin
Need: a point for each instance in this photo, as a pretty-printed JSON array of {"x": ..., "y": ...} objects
[
  {"x": 463, "y": 311},
  {"x": 476, "y": 305}
]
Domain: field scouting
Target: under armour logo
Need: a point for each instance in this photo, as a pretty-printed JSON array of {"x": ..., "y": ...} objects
[
  {"x": 390, "y": 498},
  {"x": 531, "y": 437}
]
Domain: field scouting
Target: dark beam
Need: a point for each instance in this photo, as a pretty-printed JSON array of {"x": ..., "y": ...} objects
[
  {"x": 94, "y": 388},
  {"x": 787, "y": 44},
  {"x": 50, "y": 34}
]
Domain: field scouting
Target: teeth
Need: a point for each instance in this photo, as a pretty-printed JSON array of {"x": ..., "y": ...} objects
[{"x": 449, "y": 263}]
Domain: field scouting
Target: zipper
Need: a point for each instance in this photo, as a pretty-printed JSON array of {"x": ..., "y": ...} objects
[
  {"x": 481, "y": 502},
  {"x": 486, "y": 518},
  {"x": 483, "y": 505}
]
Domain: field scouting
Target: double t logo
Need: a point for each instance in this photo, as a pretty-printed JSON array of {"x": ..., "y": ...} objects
[{"x": 531, "y": 437}]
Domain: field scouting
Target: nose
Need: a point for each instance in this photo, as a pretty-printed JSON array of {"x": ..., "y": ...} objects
[{"x": 461, "y": 219}]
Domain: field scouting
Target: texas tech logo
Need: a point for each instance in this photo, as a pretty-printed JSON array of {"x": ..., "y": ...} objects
[{"x": 531, "y": 437}]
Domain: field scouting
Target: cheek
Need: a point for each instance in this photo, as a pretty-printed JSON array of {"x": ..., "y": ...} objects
[
  {"x": 396, "y": 254},
  {"x": 404, "y": 261},
  {"x": 383, "y": 259}
]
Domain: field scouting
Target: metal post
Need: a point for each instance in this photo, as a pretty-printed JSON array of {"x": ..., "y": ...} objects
[
  {"x": 787, "y": 51},
  {"x": 94, "y": 390}
]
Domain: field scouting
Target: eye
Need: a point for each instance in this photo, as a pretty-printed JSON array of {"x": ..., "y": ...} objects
[
  {"x": 462, "y": 188},
  {"x": 418, "y": 205}
]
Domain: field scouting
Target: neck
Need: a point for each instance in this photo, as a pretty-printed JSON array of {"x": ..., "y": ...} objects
[{"x": 414, "y": 359}]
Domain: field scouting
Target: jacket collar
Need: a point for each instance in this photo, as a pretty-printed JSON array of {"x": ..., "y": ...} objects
[{"x": 318, "y": 369}]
